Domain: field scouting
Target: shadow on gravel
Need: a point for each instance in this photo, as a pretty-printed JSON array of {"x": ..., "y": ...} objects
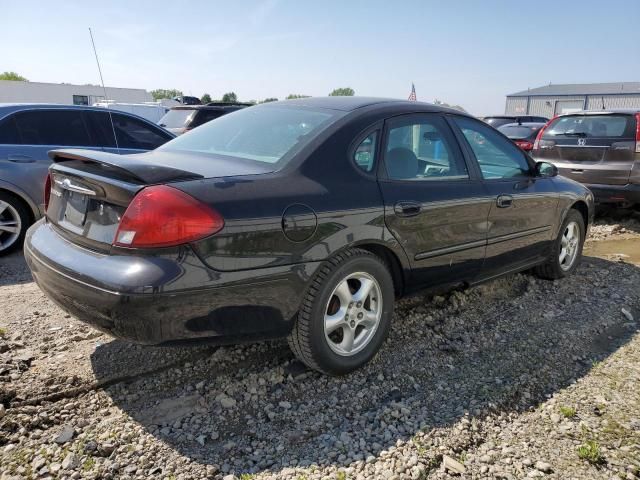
[
  {"x": 505, "y": 346},
  {"x": 14, "y": 270}
]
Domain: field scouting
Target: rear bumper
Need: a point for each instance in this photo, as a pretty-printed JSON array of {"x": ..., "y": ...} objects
[
  {"x": 164, "y": 298},
  {"x": 615, "y": 193}
]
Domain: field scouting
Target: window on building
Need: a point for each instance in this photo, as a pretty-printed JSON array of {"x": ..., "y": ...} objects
[{"x": 80, "y": 100}]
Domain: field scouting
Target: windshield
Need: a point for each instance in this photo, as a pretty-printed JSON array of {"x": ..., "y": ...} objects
[
  {"x": 176, "y": 118},
  {"x": 268, "y": 134},
  {"x": 520, "y": 132},
  {"x": 592, "y": 126}
]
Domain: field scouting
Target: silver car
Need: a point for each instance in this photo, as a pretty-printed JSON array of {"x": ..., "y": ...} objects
[{"x": 29, "y": 131}]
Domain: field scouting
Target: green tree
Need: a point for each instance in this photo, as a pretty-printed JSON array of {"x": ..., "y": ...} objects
[
  {"x": 293, "y": 96},
  {"x": 230, "y": 97},
  {"x": 270, "y": 99},
  {"x": 165, "y": 93},
  {"x": 343, "y": 92},
  {"x": 12, "y": 76},
  {"x": 206, "y": 98}
]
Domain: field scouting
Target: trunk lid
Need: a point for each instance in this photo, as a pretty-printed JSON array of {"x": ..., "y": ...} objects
[
  {"x": 591, "y": 148},
  {"x": 90, "y": 190}
]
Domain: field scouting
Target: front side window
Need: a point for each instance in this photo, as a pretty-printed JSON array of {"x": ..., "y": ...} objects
[
  {"x": 53, "y": 127},
  {"x": 267, "y": 133},
  {"x": 423, "y": 149},
  {"x": 497, "y": 156},
  {"x": 136, "y": 134},
  {"x": 365, "y": 153}
]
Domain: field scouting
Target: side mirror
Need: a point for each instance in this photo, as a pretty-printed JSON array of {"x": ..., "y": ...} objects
[{"x": 546, "y": 169}]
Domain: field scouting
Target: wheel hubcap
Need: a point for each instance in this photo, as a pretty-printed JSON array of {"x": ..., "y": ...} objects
[
  {"x": 353, "y": 314},
  {"x": 569, "y": 246},
  {"x": 10, "y": 225}
]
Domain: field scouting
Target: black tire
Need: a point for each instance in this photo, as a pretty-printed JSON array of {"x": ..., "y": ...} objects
[
  {"x": 308, "y": 340},
  {"x": 552, "y": 270},
  {"x": 23, "y": 213}
]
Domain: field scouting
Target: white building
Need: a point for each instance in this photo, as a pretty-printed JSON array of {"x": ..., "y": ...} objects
[{"x": 67, "y": 94}]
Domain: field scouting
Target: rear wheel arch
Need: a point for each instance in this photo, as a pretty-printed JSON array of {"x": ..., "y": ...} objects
[
  {"x": 33, "y": 214},
  {"x": 391, "y": 260}
]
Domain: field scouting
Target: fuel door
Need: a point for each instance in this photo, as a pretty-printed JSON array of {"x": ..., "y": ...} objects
[{"x": 299, "y": 222}]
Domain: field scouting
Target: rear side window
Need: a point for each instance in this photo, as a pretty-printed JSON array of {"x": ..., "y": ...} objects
[
  {"x": 9, "y": 132},
  {"x": 496, "y": 156},
  {"x": 365, "y": 153},
  {"x": 613, "y": 126},
  {"x": 53, "y": 127},
  {"x": 136, "y": 134},
  {"x": 420, "y": 147}
]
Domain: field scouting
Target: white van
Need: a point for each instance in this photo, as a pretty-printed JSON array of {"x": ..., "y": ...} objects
[{"x": 152, "y": 111}]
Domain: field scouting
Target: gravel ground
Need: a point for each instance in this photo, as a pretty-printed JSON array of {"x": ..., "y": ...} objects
[{"x": 517, "y": 378}]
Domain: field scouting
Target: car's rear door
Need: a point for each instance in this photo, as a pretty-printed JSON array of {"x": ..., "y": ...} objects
[
  {"x": 435, "y": 205},
  {"x": 590, "y": 148},
  {"x": 523, "y": 206},
  {"x": 25, "y": 162}
]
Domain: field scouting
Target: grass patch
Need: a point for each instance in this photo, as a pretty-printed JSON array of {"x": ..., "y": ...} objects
[
  {"x": 590, "y": 451},
  {"x": 341, "y": 476},
  {"x": 88, "y": 464},
  {"x": 568, "y": 412},
  {"x": 3, "y": 332},
  {"x": 246, "y": 476}
]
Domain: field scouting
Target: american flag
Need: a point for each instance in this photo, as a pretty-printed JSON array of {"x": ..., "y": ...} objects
[{"x": 413, "y": 97}]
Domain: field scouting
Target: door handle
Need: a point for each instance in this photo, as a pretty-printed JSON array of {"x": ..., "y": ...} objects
[
  {"x": 504, "y": 201},
  {"x": 407, "y": 209},
  {"x": 17, "y": 158}
]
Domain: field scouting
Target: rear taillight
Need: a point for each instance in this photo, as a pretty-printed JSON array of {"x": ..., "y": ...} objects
[
  {"x": 47, "y": 192},
  {"x": 637, "y": 132},
  {"x": 162, "y": 216},
  {"x": 536, "y": 144},
  {"x": 524, "y": 145}
]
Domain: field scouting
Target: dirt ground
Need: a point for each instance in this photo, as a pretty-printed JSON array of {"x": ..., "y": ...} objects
[{"x": 517, "y": 378}]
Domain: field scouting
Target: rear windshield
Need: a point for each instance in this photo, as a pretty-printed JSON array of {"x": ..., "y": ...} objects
[
  {"x": 617, "y": 126},
  {"x": 495, "y": 122},
  {"x": 176, "y": 118},
  {"x": 268, "y": 134},
  {"x": 516, "y": 132}
]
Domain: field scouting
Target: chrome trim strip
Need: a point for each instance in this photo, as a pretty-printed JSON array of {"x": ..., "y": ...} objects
[
  {"x": 455, "y": 248},
  {"x": 512, "y": 236}
]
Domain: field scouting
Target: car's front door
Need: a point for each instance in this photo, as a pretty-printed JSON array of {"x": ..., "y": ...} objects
[
  {"x": 435, "y": 206},
  {"x": 523, "y": 205}
]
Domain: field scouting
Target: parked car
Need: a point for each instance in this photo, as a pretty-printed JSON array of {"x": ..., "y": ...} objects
[
  {"x": 179, "y": 120},
  {"x": 29, "y": 131},
  {"x": 600, "y": 149},
  {"x": 187, "y": 100},
  {"x": 522, "y": 134},
  {"x": 497, "y": 120},
  {"x": 305, "y": 219}
]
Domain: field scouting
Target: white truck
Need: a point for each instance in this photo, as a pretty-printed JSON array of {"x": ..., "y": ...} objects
[{"x": 152, "y": 111}]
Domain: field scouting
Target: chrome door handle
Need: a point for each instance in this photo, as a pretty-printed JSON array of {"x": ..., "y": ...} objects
[
  {"x": 17, "y": 158},
  {"x": 504, "y": 201},
  {"x": 407, "y": 209}
]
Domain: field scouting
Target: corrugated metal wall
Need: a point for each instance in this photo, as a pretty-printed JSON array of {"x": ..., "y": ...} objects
[
  {"x": 516, "y": 106},
  {"x": 548, "y": 106},
  {"x": 594, "y": 102}
]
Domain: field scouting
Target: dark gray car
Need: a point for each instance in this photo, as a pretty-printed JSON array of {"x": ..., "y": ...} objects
[
  {"x": 600, "y": 149},
  {"x": 28, "y": 132}
]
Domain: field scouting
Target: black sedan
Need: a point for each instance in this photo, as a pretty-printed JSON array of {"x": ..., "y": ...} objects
[{"x": 304, "y": 219}]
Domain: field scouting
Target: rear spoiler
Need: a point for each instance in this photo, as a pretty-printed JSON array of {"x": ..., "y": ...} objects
[{"x": 134, "y": 166}]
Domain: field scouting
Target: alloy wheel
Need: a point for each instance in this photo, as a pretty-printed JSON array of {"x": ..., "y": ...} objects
[
  {"x": 353, "y": 313},
  {"x": 569, "y": 246},
  {"x": 10, "y": 225}
]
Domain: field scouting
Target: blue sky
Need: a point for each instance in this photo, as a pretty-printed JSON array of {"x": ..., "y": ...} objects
[{"x": 467, "y": 52}]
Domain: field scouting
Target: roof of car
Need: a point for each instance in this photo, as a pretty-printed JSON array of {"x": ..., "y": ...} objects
[
  {"x": 623, "y": 111},
  {"x": 349, "y": 104},
  {"x": 211, "y": 106},
  {"x": 523, "y": 124}
]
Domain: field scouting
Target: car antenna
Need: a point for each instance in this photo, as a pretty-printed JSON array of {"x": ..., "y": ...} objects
[
  {"x": 106, "y": 99},
  {"x": 602, "y": 98}
]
